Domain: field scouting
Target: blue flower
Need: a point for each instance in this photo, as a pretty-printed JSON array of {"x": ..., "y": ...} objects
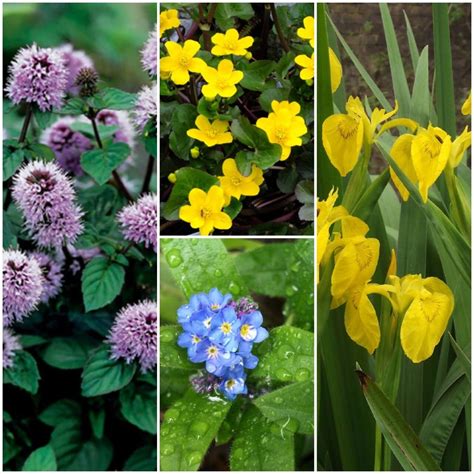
[
  {"x": 187, "y": 311},
  {"x": 190, "y": 341},
  {"x": 214, "y": 301},
  {"x": 250, "y": 329},
  {"x": 225, "y": 329},
  {"x": 214, "y": 355},
  {"x": 233, "y": 383}
]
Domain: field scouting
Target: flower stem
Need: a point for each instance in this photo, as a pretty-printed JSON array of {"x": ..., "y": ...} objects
[
  {"x": 148, "y": 174},
  {"x": 281, "y": 36}
]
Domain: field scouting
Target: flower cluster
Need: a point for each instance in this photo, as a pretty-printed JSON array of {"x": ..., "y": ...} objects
[
  {"x": 307, "y": 63},
  {"x": 52, "y": 275},
  {"x": 146, "y": 107},
  {"x": 46, "y": 197},
  {"x": 133, "y": 335},
  {"x": 221, "y": 333},
  {"x": 139, "y": 221},
  {"x": 38, "y": 76},
  {"x": 149, "y": 54},
  {"x": 74, "y": 61}
]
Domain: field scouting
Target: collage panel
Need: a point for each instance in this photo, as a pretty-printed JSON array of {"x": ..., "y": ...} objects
[
  {"x": 236, "y": 119},
  {"x": 236, "y": 354},
  {"x": 79, "y": 237},
  {"x": 394, "y": 237}
]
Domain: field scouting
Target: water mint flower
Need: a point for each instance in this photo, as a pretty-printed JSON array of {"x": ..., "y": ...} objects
[
  {"x": 11, "y": 344},
  {"x": 146, "y": 107},
  {"x": 149, "y": 54},
  {"x": 52, "y": 275}
]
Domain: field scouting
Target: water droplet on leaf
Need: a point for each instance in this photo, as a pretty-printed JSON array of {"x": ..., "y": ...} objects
[{"x": 174, "y": 259}]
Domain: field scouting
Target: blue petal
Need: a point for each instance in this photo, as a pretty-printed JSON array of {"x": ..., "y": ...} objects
[
  {"x": 262, "y": 334},
  {"x": 185, "y": 339},
  {"x": 251, "y": 361},
  {"x": 255, "y": 319}
]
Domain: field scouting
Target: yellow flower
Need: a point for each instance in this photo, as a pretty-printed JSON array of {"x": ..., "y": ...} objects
[
  {"x": 236, "y": 184},
  {"x": 221, "y": 81},
  {"x": 459, "y": 147},
  {"x": 181, "y": 61},
  {"x": 307, "y": 63},
  {"x": 168, "y": 20},
  {"x": 401, "y": 154},
  {"x": 466, "y": 107},
  {"x": 230, "y": 43},
  {"x": 205, "y": 210},
  {"x": 307, "y": 33},
  {"x": 283, "y": 126},
  {"x": 215, "y": 133},
  {"x": 335, "y": 69},
  {"x": 426, "y": 319}
]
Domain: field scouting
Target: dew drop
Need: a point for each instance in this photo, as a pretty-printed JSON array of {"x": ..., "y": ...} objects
[
  {"x": 283, "y": 374},
  {"x": 238, "y": 454},
  {"x": 234, "y": 288},
  {"x": 295, "y": 267},
  {"x": 285, "y": 351},
  {"x": 278, "y": 400},
  {"x": 218, "y": 273},
  {"x": 167, "y": 449},
  {"x": 291, "y": 290},
  {"x": 199, "y": 428},
  {"x": 172, "y": 415},
  {"x": 166, "y": 336},
  {"x": 193, "y": 458},
  {"x": 302, "y": 374},
  {"x": 174, "y": 259}
]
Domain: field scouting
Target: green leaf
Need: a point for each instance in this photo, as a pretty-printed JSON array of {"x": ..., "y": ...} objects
[
  {"x": 287, "y": 355},
  {"x": 138, "y": 406},
  {"x": 182, "y": 120},
  {"x": 45, "y": 119},
  {"x": 102, "y": 281},
  {"x": 293, "y": 402},
  {"x": 187, "y": 178},
  {"x": 234, "y": 208},
  {"x": 59, "y": 411},
  {"x": 12, "y": 159},
  {"x": 103, "y": 375},
  {"x": 142, "y": 459},
  {"x": 265, "y": 269},
  {"x": 74, "y": 106},
  {"x": 266, "y": 97},
  {"x": 86, "y": 128},
  {"x": 94, "y": 455},
  {"x": 403, "y": 441},
  {"x": 66, "y": 441},
  {"x": 256, "y": 74},
  {"x": 261, "y": 445},
  {"x": 42, "y": 459},
  {"x": 24, "y": 373},
  {"x": 171, "y": 355},
  {"x": 188, "y": 429},
  {"x": 68, "y": 352},
  {"x": 97, "y": 421},
  {"x": 202, "y": 264},
  {"x": 113, "y": 99},
  {"x": 463, "y": 358},
  {"x": 100, "y": 163},
  {"x": 227, "y": 12},
  {"x": 421, "y": 99}
]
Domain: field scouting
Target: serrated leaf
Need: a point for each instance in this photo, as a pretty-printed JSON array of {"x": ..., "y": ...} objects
[
  {"x": 42, "y": 459},
  {"x": 59, "y": 411},
  {"x": 100, "y": 163},
  {"x": 66, "y": 441},
  {"x": 287, "y": 355},
  {"x": 142, "y": 459},
  {"x": 138, "y": 406},
  {"x": 24, "y": 373},
  {"x": 103, "y": 375},
  {"x": 188, "y": 429},
  {"x": 12, "y": 159},
  {"x": 74, "y": 106},
  {"x": 68, "y": 352},
  {"x": 113, "y": 99},
  {"x": 102, "y": 281}
]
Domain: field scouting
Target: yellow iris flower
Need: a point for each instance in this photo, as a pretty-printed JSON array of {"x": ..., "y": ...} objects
[
  {"x": 459, "y": 147},
  {"x": 307, "y": 63},
  {"x": 335, "y": 70},
  {"x": 181, "y": 61},
  {"x": 168, "y": 20},
  {"x": 215, "y": 133},
  {"x": 236, "y": 184},
  {"x": 466, "y": 107},
  {"x": 283, "y": 126},
  {"x": 307, "y": 32},
  {"x": 221, "y": 81},
  {"x": 204, "y": 211},
  {"x": 230, "y": 43}
]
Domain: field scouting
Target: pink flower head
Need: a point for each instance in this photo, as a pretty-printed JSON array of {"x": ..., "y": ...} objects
[
  {"x": 149, "y": 54},
  {"x": 119, "y": 118},
  {"x": 139, "y": 221},
  {"x": 67, "y": 144},
  {"x": 11, "y": 344},
  {"x": 133, "y": 335},
  {"x": 52, "y": 275},
  {"x": 145, "y": 107},
  {"x": 22, "y": 285},
  {"x": 46, "y": 197},
  {"x": 37, "y": 76},
  {"x": 74, "y": 61}
]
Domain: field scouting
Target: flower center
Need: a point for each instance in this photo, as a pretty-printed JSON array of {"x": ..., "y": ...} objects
[
  {"x": 230, "y": 384},
  {"x": 195, "y": 339},
  {"x": 215, "y": 306},
  {"x": 244, "y": 330},
  {"x": 205, "y": 213},
  {"x": 226, "y": 328},
  {"x": 207, "y": 323},
  {"x": 235, "y": 180},
  {"x": 184, "y": 61},
  {"x": 347, "y": 128},
  {"x": 211, "y": 132},
  {"x": 212, "y": 352},
  {"x": 281, "y": 134},
  {"x": 230, "y": 44},
  {"x": 222, "y": 84}
]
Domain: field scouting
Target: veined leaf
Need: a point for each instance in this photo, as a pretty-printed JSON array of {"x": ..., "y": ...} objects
[
  {"x": 42, "y": 459},
  {"x": 142, "y": 459},
  {"x": 138, "y": 406},
  {"x": 59, "y": 411},
  {"x": 24, "y": 372}
]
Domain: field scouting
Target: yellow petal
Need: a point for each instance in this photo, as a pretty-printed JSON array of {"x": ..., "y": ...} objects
[
  {"x": 401, "y": 154},
  {"x": 466, "y": 107},
  {"x": 336, "y": 70},
  {"x": 197, "y": 198},
  {"x": 221, "y": 221}
]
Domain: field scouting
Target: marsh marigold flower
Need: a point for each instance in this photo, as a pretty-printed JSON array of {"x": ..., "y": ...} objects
[
  {"x": 283, "y": 126},
  {"x": 46, "y": 197},
  {"x": 235, "y": 184},
  {"x": 11, "y": 344},
  {"x": 146, "y": 108},
  {"x": 22, "y": 286},
  {"x": 466, "y": 107},
  {"x": 307, "y": 63},
  {"x": 74, "y": 61},
  {"x": 221, "y": 81},
  {"x": 168, "y": 20},
  {"x": 52, "y": 275},
  {"x": 204, "y": 211},
  {"x": 138, "y": 221},
  {"x": 181, "y": 61},
  {"x": 133, "y": 335},
  {"x": 307, "y": 32},
  {"x": 230, "y": 43},
  {"x": 37, "y": 76},
  {"x": 149, "y": 54},
  {"x": 215, "y": 133}
]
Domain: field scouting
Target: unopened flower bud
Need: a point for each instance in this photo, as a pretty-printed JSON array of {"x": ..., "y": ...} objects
[
  {"x": 194, "y": 152},
  {"x": 172, "y": 178},
  {"x": 87, "y": 79}
]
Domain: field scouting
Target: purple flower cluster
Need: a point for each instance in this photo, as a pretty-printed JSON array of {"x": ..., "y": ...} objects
[
  {"x": 11, "y": 344},
  {"x": 139, "y": 221},
  {"x": 149, "y": 54},
  {"x": 134, "y": 333},
  {"x": 119, "y": 118},
  {"x": 37, "y": 76},
  {"x": 221, "y": 333},
  {"x": 22, "y": 285},
  {"x": 67, "y": 144},
  {"x": 146, "y": 107},
  {"x": 74, "y": 61},
  {"x": 52, "y": 275},
  {"x": 46, "y": 197}
]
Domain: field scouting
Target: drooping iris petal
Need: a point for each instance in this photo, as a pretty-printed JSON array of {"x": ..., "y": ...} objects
[{"x": 401, "y": 153}]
